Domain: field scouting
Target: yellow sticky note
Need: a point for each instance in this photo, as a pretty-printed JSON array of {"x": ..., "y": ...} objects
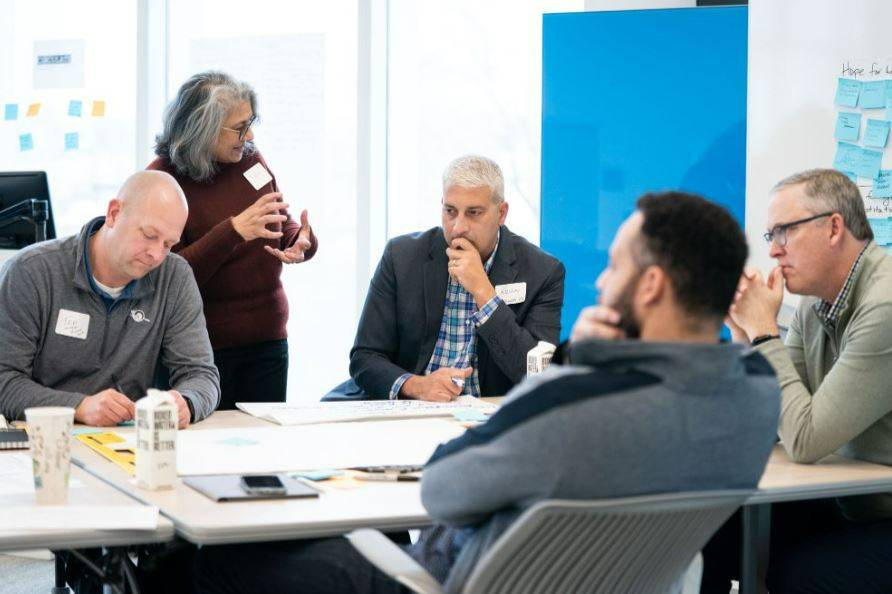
[
  {"x": 98, "y": 109},
  {"x": 33, "y": 110}
]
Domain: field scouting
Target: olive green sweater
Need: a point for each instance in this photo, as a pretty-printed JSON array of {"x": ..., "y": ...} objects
[{"x": 836, "y": 382}]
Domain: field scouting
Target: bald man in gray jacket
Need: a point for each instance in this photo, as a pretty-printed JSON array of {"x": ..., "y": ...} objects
[{"x": 85, "y": 319}]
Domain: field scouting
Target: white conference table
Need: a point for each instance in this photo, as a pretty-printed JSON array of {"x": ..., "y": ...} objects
[
  {"x": 92, "y": 492},
  {"x": 200, "y": 520},
  {"x": 784, "y": 480},
  {"x": 397, "y": 506}
]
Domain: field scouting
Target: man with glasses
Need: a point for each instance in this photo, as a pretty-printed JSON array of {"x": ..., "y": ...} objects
[{"x": 835, "y": 371}]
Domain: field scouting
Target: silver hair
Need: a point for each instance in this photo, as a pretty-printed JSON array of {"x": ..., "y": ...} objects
[
  {"x": 828, "y": 190},
  {"x": 474, "y": 171},
  {"x": 194, "y": 119}
]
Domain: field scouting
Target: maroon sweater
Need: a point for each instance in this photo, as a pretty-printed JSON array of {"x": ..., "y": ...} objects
[{"x": 244, "y": 301}]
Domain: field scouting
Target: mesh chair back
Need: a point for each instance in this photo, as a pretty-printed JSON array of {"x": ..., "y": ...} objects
[{"x": 636, "y": 545}]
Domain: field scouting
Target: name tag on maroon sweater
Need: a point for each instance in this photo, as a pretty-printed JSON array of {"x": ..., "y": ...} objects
[{"x": 258, "y": 176}]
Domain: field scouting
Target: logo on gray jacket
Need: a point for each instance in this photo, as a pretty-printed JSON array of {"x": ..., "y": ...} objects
[{"x": 139, "y": 315}]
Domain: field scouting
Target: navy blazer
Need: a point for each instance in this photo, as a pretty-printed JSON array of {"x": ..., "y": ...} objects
[{"x": 404, "y": 308}]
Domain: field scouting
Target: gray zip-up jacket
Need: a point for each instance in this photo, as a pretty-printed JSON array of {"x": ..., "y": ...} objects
[
  {"x": 627, "y": 418},
  {"x": 60, "y": 341}
]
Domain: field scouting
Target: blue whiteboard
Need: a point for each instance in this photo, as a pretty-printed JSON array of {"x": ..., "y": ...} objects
[{"x": 636, "y": 101}]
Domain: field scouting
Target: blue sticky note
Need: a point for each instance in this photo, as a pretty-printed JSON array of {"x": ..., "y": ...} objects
[
  {"x": 876, "y": 133},
  {"x": 889, "y": 112},
  {"x": 129, "y": 423},
  {"x": 75, "y": 106},
  {"x": 469, "y": 415},
  {"x": 237, "y": 441},
  {"x": 11, "y": 111},
  {"x": 882, "y": 230},
  {"x": 846, "y": 156},
  {"x": 851, "y": 175},
  {"x": 848, "y": 126},
  {"x": 26, "y": 142},
  {"x": 72, "y": 141},
  {"x": 868, "y": 163},
  {"x": 847, "y": 92},
  {"x": 882, "y": 184},
  {"x": 873, "y": 94}
]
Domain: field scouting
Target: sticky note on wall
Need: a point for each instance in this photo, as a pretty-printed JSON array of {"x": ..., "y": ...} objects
[
  {"x": 26, "y": 142},
  {"x": 74, "y": 108},
  {"x": 848, "y": 126},
  {"x": 847, "y": 92},
  {"x": 882, "y": 230},
  {"x": 72, "y": 141},
  {"x": 11, "y": 111},
  {"x": 868, "y": 163},
  {"x": 876, "y": 133},
  {"x": 882, "y": 184},
  {"x": 98, "y": 109},
  {"x": 33, "y": 110},
  {"x": 847, "y": 155},
  {"x": 873, "y": 94}
]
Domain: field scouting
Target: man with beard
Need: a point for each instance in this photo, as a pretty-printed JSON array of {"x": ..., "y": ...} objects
[
  {"x": 454, "y": 310},
  {"x": 673, "y": 410},
  {"x": 835, "y": 370}
]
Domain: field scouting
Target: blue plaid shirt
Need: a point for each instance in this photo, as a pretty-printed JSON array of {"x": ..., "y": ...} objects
[{"x": 457, "y": 340}]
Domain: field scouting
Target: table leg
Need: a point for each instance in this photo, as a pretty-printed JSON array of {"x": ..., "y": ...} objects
[
  {"x": 756, "y": 535},
  {"x": 60, "y": 587}
]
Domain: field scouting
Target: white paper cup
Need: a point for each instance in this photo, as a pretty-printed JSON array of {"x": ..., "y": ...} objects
[{"x": 49, "y": 435}]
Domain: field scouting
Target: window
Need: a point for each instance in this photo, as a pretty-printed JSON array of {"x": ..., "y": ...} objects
[{"x": 464, "y": 77}]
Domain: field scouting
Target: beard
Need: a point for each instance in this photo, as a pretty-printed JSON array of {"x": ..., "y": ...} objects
[{"x": 623, "y": 306}]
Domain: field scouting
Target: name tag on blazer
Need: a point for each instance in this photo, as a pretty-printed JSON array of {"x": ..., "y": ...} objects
[{"x": 513, "y": 293}]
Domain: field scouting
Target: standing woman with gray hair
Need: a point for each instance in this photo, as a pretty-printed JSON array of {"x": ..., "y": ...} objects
[{"x": 238, "y": 235}]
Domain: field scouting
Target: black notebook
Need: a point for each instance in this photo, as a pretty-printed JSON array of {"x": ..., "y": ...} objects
[{"x": 13, "y": 439}]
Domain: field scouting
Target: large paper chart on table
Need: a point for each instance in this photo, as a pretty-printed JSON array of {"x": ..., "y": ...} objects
[{"x": 309, "y": 447}]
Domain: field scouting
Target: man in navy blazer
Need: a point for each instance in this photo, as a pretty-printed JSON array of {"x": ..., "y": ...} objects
[{"x": 455, "y": 309}]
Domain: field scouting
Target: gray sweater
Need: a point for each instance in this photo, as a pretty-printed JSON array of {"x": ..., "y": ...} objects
[
  {"x": 51, "y": 355},
  {"x": 627, "y": 418},
  {"x": 837, "y": 381}
]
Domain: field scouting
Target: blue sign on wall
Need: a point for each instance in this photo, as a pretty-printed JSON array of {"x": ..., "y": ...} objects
[{"x": 632, "y": 102}]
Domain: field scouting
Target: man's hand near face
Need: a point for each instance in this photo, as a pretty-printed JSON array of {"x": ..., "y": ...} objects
[
  {"x": 599, "y": 322},
  {"x": 757, "y": 303},
  {"x": 466, "y": 267}
]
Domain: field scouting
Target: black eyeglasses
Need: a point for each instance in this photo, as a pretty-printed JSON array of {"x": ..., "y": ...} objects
[
  {"x": 778, "y": 233},
  {"x": 242, "y": 130}
]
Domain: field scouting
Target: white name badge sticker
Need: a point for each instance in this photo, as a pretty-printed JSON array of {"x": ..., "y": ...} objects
[
  {"x": 258, "y": 176},
  {"x": 513, "y": 293},
  {"x": 73, "y": 324}
]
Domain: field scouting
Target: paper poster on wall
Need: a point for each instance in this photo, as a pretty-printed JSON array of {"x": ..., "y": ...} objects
[{"x": 59, "y": 64}]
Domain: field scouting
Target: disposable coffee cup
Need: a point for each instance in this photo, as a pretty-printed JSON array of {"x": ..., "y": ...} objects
[{"x": 49, "y": 436}]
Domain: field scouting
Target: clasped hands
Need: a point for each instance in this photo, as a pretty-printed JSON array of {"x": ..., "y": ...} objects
[
  {"x": 757, "y": 301},
  {"x": 109, "y": 407}
]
